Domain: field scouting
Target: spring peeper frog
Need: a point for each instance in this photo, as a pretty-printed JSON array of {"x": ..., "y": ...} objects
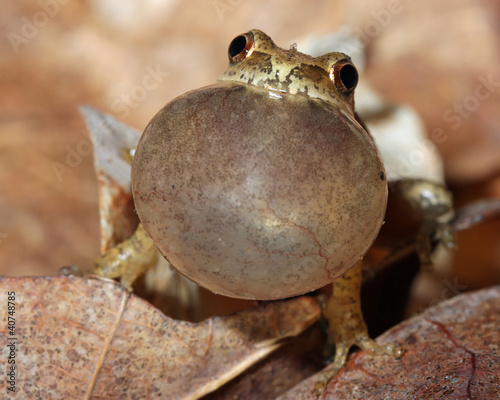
[{"x": 262, "y": 186}]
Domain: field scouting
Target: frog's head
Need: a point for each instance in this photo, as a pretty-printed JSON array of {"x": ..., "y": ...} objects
[{"x": 255, "y": 59}]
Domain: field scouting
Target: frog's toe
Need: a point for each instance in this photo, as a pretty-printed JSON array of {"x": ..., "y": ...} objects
[
  {"x": 68, "y": 270},
  {"x": 373, "y": 348},
  {"x": 341, "y": 351},
  {"x": 441, "y": 233},
  {"x": 446, "y": 236}
]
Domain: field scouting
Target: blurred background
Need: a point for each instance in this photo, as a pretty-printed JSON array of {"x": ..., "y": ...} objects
[{"x": 129, "y": 58}]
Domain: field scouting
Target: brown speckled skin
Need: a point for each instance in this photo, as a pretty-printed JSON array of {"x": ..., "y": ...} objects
[{"x": 259, "y": 195}]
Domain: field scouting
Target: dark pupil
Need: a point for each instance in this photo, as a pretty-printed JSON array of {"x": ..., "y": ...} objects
[
  {"x": 237, "y": 46},
  {"x": 349, "y": 76}
]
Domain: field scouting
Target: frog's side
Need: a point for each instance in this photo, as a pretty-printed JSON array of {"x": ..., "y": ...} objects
[{"x": 262, "y": 186}]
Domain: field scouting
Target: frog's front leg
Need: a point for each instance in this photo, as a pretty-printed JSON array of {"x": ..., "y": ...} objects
[
  {"x": 128, "y": 260},
  {"x": 346, "y": 326}
]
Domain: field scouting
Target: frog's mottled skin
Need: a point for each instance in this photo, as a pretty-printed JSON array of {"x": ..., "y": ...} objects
[
  {"x": 262, "y": 186},
  {"x": 290, "y": 71}
]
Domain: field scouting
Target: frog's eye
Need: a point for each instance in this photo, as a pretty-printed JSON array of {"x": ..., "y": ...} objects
[
  {"x": 344, "y": 76},
  {"x": 240, "y": 48}
]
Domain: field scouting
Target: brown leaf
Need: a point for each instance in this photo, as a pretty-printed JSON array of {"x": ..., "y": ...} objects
[
  {"x": 279, "y": 372},
  {"x": 91, "y": 339},
  {"x": 452, "y": 351},
  {"x": 111, "y": 139}
]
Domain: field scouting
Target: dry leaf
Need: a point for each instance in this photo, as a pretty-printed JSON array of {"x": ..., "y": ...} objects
[
  {"x": 279, "y": 372},
  {"x": 451, "y": 351},
  {"x": 91, "y": 339},
  {"x": 110, "y": 140}
]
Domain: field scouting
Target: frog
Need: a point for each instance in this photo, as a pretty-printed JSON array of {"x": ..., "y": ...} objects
[{"x": 263, "y": 186}]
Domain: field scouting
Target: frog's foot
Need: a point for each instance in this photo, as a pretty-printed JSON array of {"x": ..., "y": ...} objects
[
  {"x": 128, "y": 260},
  {"x": 440, "y": 232},
  {"x": 69, "y": 270},
  {"x": 446, "y": 236},
  {"x": 346, "y": 326},
  {"x": 342, "y": 348}
]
